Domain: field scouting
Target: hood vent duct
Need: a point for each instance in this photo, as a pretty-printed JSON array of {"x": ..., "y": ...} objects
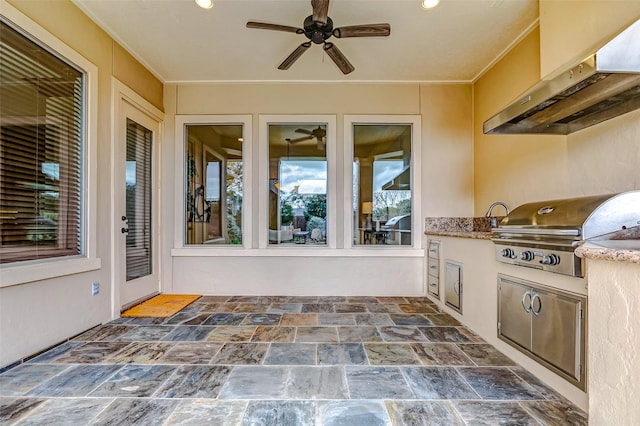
[{"x": 603, "y": 86}]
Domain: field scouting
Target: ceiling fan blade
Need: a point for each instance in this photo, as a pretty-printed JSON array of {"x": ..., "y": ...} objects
[
  {"x": 294, "y": 56},
  {"x": 305, "y": 138},
  {"x": 336, "y": 55},
  {"x": 274, "y": 27},
  {"x": 305, "y": 131},
  {"x": 367, "y": 30},
  {"x": 320, "y": 10}
]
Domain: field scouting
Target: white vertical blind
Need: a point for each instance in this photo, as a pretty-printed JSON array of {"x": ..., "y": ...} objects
[
  {"x": 41, "y": 155},
  {"x": 138, "y": 203}
]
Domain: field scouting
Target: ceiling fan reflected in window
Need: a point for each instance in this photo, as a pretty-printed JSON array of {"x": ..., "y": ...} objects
[
  {"x": 318, "y": 28},
  {"x": 318, "y": 133}
]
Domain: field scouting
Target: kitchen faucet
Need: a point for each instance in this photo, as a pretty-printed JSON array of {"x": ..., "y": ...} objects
[{"x": 494, "y": 221}]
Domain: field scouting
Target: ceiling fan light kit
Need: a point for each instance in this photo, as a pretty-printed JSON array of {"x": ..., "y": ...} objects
[
  {"x": 318, "y": 28},
  {"x": 205, "y": 4},
  {"x": 428, "y": 4}
]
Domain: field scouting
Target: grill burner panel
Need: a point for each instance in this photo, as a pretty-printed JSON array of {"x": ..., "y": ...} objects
[
  {"x": 544, "y": 235},
  {"x": 539, "y": 256}
]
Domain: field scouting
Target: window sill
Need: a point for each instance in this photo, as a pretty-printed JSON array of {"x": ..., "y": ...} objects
[
  {"x": 297, "y": 252},
  {"x": 43, "y": 270}
]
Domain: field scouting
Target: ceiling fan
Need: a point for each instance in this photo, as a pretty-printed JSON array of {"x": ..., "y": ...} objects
[
  {"x": 318, "y": 28},
  {"x": 319, "y": 134}
]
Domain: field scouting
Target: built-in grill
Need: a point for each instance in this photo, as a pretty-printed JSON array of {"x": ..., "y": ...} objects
[
  {"x": 543, "y": 235},
  {"x": 398, "y": 230}
]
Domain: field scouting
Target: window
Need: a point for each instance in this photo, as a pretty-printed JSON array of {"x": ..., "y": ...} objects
[
  {"x": 297, "y": 184},
  {"x": 41, "y": 151},
  {"x": 307, "y": 198},
  {"x": 382, "y": 208},
  {"x": 214, "y": 195}
]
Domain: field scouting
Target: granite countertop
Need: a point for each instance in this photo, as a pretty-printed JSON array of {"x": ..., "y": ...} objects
[
  {"x": 619, "y": 246},
  {"x": 478, "y": 228},
  {"x": 477, "y": 235},
  {"x": 614, "y": 250},
  {"x": 622, "y": 248}
]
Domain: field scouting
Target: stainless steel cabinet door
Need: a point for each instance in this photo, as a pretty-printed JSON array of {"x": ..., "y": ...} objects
[
  {"x": 514, "y": 315},
  {"x": 556, "y": 330},
  {"x": 453, "y": 285}
]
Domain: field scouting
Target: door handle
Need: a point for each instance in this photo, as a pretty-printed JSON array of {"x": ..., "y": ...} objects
[
  {"x": 524, "y": 296},
  {"x": 533, "y": 299},
  {"x": 125, "y": 228}
]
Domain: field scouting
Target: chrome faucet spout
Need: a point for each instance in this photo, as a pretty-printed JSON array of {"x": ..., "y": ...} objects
[{"x": 497, "y": 203}]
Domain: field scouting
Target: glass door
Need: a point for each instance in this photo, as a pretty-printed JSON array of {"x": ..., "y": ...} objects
[
  {"x": 137, "y": 222},
  {"x": 137, "y": 245}
]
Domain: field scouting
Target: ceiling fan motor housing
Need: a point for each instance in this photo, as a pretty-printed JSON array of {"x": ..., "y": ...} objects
[{"x": 317, "y": 32}]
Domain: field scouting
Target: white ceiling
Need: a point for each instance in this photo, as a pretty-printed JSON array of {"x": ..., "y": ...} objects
[{"x": 180, "y": 42}]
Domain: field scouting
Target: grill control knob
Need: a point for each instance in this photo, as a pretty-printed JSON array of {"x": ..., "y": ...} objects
[
  {"x": 552, "y": 259},
  {"x": 508, "y": 253},
  {"x": 527, "y": 255}
]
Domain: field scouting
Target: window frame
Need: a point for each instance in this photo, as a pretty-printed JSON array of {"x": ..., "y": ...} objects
[
  {"x": 180, "y": 237},
  {"x": 416, "y": 177},
  {"x": 263, "y": 179},
  {"x": 256, "y": 187},
  {"x": 41, "y": 269}
]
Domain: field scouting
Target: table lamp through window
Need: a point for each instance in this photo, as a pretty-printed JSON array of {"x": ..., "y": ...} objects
[{"x": 367, "y": 208}]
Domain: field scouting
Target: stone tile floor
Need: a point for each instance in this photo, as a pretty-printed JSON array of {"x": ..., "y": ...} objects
[{"x": 281, "y": 361}]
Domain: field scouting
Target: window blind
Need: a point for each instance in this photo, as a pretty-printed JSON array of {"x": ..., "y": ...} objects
[
  {"x": 41, "y": 155},
  {"x": 138, "y": 203}
]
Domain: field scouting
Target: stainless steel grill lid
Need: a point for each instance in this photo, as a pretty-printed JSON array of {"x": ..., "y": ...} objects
[
  {"x": 577, "y": 218},
  {"x": 543, "y": 235}
]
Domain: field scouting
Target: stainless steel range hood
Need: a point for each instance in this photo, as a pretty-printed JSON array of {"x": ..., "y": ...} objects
[{"x": 603, "y": 86}]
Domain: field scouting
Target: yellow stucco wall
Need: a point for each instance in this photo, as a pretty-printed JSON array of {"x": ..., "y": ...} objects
[
  {"x": 61, "y": 307},
  {"x": 68, "y": 23},
  {"x": 574, "y": 29},
  {"x": 524, "y": 168}
]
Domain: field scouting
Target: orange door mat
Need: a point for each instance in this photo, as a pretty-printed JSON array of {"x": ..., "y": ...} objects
[{"x": 162, "y": 305}]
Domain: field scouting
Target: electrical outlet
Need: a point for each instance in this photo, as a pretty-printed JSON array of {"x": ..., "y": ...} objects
[{"x": 95, "y": 288}]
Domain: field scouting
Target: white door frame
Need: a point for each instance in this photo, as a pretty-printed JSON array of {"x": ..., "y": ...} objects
[{"x": 128, "y": 104}]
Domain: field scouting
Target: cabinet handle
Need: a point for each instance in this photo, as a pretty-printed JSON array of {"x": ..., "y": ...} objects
[
  {"x": 536, "y": 296},
  {"x": 524, "y": 296}
]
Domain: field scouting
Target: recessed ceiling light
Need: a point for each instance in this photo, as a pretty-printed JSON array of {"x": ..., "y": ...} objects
[
  {"x": 205, "y": 4},
  {"x": 428, "y": 4}
]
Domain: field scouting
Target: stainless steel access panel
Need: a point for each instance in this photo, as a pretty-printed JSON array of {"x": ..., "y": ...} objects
[
  {"x": 453, "y": 285},
  {"x": 546, "y": 324}
]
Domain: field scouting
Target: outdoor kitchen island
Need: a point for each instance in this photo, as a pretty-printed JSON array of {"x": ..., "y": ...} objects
[
  {"x": 467, "y": 242},
  {"x": 613, "y": 271}
]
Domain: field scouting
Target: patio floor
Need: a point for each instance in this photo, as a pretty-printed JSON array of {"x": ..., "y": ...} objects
[{"x": 281, "y": 361}]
